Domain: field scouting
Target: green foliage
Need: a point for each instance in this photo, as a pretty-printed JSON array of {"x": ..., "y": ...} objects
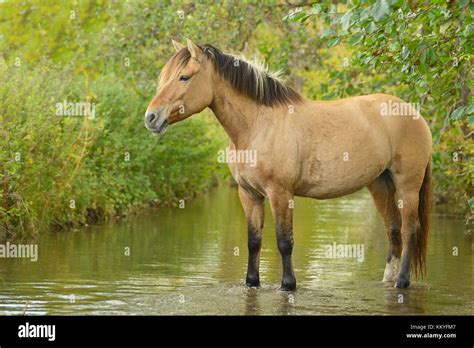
[
  {"x": 63, "y": 170},
  {"x": 422, "y": 52}
]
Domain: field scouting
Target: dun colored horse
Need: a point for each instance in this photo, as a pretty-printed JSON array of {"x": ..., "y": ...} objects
[{"x": 317, "y": 149}]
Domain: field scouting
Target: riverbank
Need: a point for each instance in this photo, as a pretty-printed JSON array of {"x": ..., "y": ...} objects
[{"x": 75, "y": 152}]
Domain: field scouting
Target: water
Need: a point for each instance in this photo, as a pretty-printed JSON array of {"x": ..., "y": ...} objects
[{"x": 193, "y": 261}]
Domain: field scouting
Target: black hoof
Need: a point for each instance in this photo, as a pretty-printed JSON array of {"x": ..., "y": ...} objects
[
  {"x": 252, "y": 281},
  {"x": 288, "y": 285},
  {"x": 402, "y": 283}
]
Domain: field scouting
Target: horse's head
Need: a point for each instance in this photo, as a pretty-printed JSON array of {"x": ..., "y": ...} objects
[{"x": 184, "y": 88}]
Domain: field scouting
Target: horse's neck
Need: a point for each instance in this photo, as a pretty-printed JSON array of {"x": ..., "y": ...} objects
[{"x": 235, "y": 113}]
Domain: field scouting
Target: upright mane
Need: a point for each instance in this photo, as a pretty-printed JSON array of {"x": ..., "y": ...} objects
[{"x": 251, "y": 79}]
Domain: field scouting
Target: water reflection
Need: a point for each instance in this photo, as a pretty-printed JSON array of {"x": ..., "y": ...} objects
[
  {"x": 252, "y": 306},
  {"x": 287, "y": 303},
  {"x": 406, "y": 301}
]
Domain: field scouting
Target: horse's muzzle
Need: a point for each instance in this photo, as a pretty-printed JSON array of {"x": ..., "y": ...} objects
[{"x": 156, "y": 121}]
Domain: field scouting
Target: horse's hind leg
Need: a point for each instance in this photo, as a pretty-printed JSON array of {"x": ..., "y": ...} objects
[
  {"x": 383, "y": 193},
  {"x": 408, "y": 188}
]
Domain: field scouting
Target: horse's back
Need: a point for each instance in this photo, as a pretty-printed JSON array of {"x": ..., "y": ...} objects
[
  {"x": 378, "y": 119},
  {"x": 350, "y": 142}
]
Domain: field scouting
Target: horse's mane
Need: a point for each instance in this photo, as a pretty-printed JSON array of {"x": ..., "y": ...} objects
[{"x": 250, "y": 78}]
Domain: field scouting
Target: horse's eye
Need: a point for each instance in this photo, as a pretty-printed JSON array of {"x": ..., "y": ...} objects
[{"x": 184, "y": 78}]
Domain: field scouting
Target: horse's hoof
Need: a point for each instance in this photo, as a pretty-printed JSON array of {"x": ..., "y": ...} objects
[
  {"x": 391, "y": 270},
  {"x": 252, "y": 281},
  {"x": 402, "y": 283},
  {"x": 288, "y": 285}
]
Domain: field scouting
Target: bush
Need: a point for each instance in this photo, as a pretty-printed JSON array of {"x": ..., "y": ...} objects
[{"x": 58, "y": 170}]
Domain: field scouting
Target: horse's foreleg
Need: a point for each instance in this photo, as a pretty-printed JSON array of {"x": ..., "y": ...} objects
[
  {"x": 253, "y": 209},
  {"x": 282, "y": 208}
]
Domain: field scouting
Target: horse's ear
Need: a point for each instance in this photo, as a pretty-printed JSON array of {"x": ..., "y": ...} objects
[
  {"x": 194, "y": 50},
  {"x": 177, "y": 46}
]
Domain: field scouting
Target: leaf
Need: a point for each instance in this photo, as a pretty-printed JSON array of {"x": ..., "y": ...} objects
[
  {"x": 423, "y": 57},
  {"x": 367, "y": 60},
  {"x": 468, "y": 30},
  {"x": 471, "y": 202},
  {"x": 395, "y": 46},
  {"x": 458, "y": 113},
  {"x": 295, "y": 17},
  {"x": 379, "y": 10},
  {"x": 371, "y": 27},
  {"x": 316, "y": 9},
  {"x": 364, "y": 14},
  {"x": 405, "y": 53},
  {"x": 471, "y": 121},
  {"x": 327, "y": 32},
  {"x": 431, "y": 54},
  {"x": 333, "y": 41},
  {"x": 423, "y": 67},
  {"x": 470, "y": 109},
  {"x": 355, "y": 39},
  {"x": 346, "y": 20}
]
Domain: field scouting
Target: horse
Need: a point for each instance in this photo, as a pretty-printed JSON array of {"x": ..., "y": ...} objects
[{"x": 316, "y": 149}]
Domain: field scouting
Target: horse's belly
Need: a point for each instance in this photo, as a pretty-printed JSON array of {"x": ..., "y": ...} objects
[
  {"x": 342, "y": 163},
  {"x": 331, "y": 181},
  {"x": 321, "y": 192}
]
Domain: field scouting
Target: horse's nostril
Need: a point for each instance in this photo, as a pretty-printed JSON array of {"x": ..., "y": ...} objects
[{"x": 151, "y": 117}]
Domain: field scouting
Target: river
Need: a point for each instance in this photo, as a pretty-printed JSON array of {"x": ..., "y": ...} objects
[{"x": 192, "y": 260}]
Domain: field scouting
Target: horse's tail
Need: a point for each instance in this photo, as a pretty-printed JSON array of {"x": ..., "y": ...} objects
[{"x": 424, "y": 211}]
